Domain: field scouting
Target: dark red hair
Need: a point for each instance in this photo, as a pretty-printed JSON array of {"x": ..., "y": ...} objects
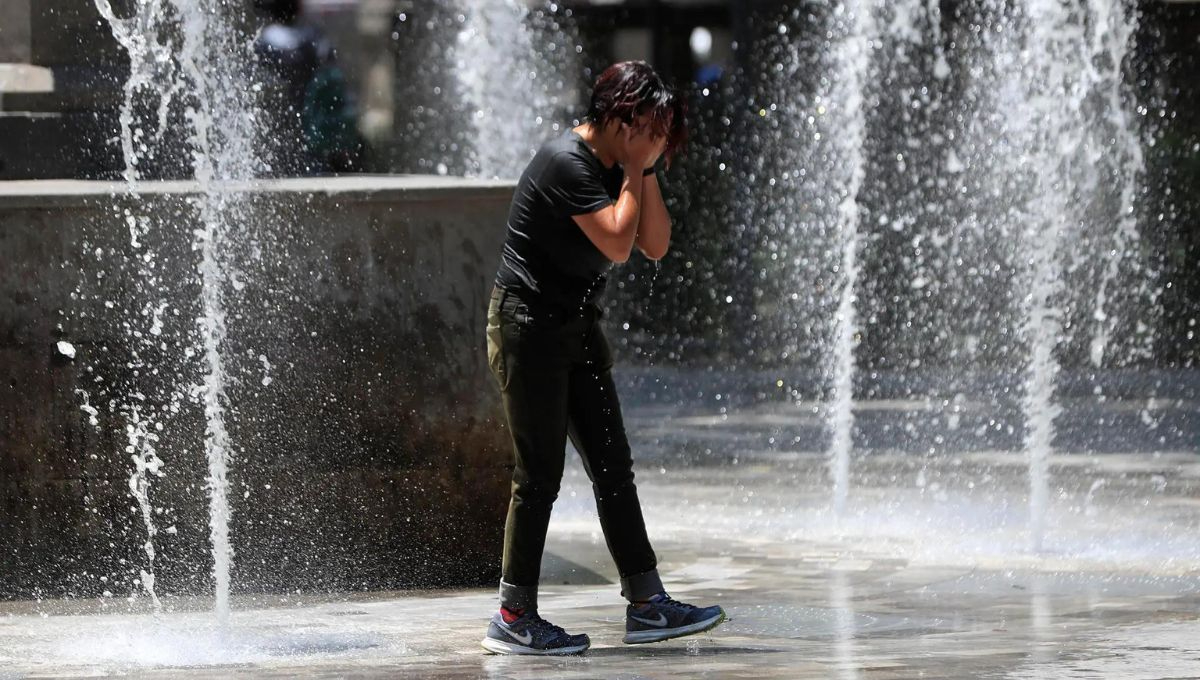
[{"x": 629, "y": 89}]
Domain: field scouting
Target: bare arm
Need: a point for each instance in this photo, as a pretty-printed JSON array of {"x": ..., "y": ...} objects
[
  {"x": 612, "y": 229},
  {"x": 654, "y": 228}
]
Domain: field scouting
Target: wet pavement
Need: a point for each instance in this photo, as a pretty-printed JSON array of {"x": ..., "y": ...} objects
[{"x": 928, "y": 575}]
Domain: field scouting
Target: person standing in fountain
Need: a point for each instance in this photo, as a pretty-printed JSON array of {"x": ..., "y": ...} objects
[{"x": 585, "y": 200}]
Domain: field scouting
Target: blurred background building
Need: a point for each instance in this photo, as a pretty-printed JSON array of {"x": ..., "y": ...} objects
[{"x": 470, "y": 87}]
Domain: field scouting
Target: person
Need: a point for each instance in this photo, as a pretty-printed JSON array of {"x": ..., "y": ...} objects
[
  {"x": 585, "y": 200},
  {"x": 313, "y": 121}
]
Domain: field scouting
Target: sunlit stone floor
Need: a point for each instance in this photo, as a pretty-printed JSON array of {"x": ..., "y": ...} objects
[{"x": 928, "y": 575}]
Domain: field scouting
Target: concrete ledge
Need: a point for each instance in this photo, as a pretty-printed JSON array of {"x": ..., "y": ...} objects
[
  {"x": 25, "y": 79},
  {"x": 352, "y": 188}
]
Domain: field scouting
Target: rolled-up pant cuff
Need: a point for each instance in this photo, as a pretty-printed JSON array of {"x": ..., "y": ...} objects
[
  {"x": 518, "y": 597},
  {"x": 641, "y": 587}
]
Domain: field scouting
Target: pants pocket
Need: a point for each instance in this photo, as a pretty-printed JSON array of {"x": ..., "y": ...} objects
[{"x": 495, "y": 351}]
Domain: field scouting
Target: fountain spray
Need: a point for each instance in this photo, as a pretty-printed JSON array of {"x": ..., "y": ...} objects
[
  {"x": 190, "y": 52},
  {"x": 848, "y": 87}
]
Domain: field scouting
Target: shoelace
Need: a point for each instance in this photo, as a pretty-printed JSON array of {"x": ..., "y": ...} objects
[
  {"x": 672, "y": 602},
  {"x": 544, "y": 625}
]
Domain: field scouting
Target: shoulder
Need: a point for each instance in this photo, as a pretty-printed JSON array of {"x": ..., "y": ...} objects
[
  {"x": 564, "y": 143},
  {"x": 564, "y": 164},
  {"x": 565, "y": 158}
]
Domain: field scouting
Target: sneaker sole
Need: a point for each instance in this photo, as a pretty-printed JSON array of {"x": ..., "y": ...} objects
[
  {"x": 501, "y": 647},
  {"x": 642, "y": 637}
]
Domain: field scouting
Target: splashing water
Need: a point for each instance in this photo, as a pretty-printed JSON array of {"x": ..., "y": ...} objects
[
  {"x": 223, "y": 137},
  {"x": 145, "y": 39},
  {"x": 1047, "y": 83},
  {"x": 979, "y": 154},
  {"x": 1059, "y": 76},
  {"x": 515, "y": 68},
  {"x": 146, "y": 462},
  {"x": 853, "y": 63},
  {"x": 148, "y": 42},
  {"x": 1042, "y": 327},
  {"x": 189, "y": 51},
  {"x": 1112, "y": 29}
]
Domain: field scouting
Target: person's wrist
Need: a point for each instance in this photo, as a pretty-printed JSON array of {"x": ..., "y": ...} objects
[{"x": 650, "y": 170}]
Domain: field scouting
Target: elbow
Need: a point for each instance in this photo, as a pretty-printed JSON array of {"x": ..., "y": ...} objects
[
  {"x": 621, "y": 243},
  {"x": 655, "y": 253},
  {"x": 619, "y": 252},
  {"x": 619, "y": 256},
  {"x": 654, "y": 248}
]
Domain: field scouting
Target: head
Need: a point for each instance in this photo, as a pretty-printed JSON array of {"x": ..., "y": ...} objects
[{"x": 631, "y": 92}]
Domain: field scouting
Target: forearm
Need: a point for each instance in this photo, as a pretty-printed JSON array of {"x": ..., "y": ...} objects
[
  {"x": 613, "y": 229},
  {"x": 628, "y": 213},
  {"x": 654, "y": 224}
]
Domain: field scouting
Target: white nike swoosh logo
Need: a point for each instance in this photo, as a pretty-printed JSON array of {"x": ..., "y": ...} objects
[
  {"x": 525, "y": 639},
  {"x": 662, "y": 620}
]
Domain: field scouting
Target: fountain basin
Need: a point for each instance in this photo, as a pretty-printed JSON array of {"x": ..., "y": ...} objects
[{"x": 369, "y": 446}]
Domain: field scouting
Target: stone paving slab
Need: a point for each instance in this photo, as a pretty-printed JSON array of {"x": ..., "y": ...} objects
[{"x": 917, "y": 580}]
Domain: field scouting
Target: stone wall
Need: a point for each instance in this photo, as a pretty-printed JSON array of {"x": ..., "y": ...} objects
[
  {"x": 368, "y": 451},
  {"x": 14, "y": 31}
]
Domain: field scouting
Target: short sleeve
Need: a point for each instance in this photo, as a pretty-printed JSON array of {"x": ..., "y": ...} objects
[{"x": 573, "y": 185}]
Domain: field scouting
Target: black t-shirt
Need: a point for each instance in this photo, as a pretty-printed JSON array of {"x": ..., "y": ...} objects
[{"x": 547, "y": 258}]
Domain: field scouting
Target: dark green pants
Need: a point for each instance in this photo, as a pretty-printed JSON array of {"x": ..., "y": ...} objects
[{"x": 554, "y": 371}]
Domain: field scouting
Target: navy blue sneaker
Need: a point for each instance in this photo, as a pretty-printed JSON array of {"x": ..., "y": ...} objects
[
  {"x": 531, "y": 634},
  {"x": 664, "y": 618}
]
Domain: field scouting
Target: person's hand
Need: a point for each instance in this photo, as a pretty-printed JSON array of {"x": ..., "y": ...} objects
[{"x": 642, "y": 148}]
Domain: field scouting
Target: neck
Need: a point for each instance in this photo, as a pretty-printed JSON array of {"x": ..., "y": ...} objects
[{"x": 603, "y": 142}]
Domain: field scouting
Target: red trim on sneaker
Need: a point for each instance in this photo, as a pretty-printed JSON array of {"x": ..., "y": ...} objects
[{"x": 510, "y": 615}]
